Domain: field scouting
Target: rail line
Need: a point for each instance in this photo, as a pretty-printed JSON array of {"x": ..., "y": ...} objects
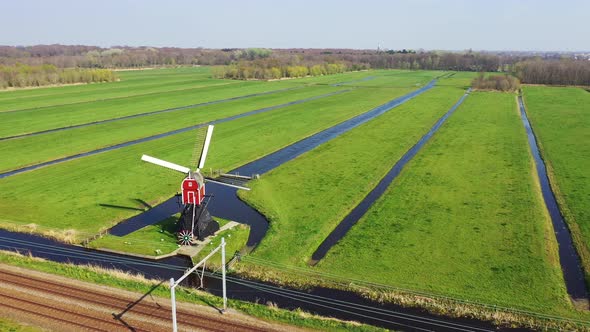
[
  {"x": 150, "y": 310},
  {"x": 45, "y": 311}
]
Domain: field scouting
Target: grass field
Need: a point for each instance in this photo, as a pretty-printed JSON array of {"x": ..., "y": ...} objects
[
  {"x": 153, "y": 240},
  {"x": 465, "y": 218},
  {"x": 75, "y": 190},
  {"x": 33, "y": 120},
  {"x": 560, "y": 118},
  {"x": 307, "y": 197},
  {"x": 68, "y": 142}
]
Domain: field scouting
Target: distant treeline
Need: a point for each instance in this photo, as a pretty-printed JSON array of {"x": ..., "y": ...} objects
[
  {"x": 496, "y": 82},
  {"x": 550, "y": 68},
  {"x": 20, "y": 75},
  {"x": 272, "y": 70},
  {"x": 563, "y": 72}
]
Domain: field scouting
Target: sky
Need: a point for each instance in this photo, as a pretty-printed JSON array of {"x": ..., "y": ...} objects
[{"x": 526, "y": 25}]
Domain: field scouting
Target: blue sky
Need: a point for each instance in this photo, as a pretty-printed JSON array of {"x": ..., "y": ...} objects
[{"x": 428, "y": 24}]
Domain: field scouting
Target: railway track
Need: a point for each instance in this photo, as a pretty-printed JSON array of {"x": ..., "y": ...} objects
[{"x": 79, "y": 307}]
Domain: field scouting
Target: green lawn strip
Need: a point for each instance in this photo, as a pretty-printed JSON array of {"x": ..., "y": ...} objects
[
  {"x": 9, "y": 325},
  {"x": 14, "y": 123},
  {"x": 70, "y": 92},
  {"x": 35, "y": 149},
  {"x": 465, "y": 218},
  {"x": 235, "y": 239},
  {"x": 75, "y": 189},
  {"x": 141, "y": 285},
  {"x": 84, "y": 97},
  {"x": 306, "y": 198},
  {"x": 152, "y": 240},
  {"x": 561, "y": 120},
  {"x": 458, "y": 79},
  {"x": 399, "y": 78}
]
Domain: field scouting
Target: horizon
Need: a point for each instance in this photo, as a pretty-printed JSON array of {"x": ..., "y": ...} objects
[
  {"x": 455, "y": 25},
  {"x": 308, "y": 48}
]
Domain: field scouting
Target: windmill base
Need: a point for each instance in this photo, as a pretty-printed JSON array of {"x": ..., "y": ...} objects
[{"x": 204, "y": 225}]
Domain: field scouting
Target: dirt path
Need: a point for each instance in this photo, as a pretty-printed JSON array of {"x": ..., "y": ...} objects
[{"x": 63, "y": 304}]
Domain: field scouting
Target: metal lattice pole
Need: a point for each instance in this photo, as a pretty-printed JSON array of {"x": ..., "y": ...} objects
[
  {"x": 173, "y": 299},
  {"x": 223, "y": 273}
]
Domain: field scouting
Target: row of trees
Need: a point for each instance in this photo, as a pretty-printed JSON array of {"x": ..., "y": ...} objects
[
  {"x": 496, "y": 82},
  {"x": 21, "y": 75},
  {"x": 563, "y": 72},
  {"x": 258, "y": 63},
  {"x": 245, "y": 70}
]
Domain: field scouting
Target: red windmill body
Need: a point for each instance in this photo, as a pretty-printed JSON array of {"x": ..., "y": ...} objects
[{"x": 192, "y": 192}]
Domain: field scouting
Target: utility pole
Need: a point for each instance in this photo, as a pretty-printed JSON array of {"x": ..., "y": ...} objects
[
  {"x": 173, "y": 283},
  {"x": 223, "y": 274}
]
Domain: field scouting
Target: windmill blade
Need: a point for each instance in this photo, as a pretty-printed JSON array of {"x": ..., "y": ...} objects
[
  {"x": 205, "y": 147},
  {"x": 166, "y": 164},
  {"x": 226, "y": 184}
]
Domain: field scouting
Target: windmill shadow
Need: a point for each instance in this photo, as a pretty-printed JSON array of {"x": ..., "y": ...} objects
[
  {"x": 121, "y": 207},
  {"x": 139, "y": 201},
  {"x": 144, "y": 203}
]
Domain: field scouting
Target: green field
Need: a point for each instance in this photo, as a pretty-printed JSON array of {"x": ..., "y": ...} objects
[
  {"x": 68, "y": 142},
  {"x": 560, "y": 118},
  {"x": 465, "y": 218},
  {"x": 76, "y": 189},
  {"x": 307, "y": 197}
]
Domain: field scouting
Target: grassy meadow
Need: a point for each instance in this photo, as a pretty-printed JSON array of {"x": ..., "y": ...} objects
[
  {"x": 306, "y": 198},
  {"x": 76, "y": 189},
  {"x": 465, "y": 218},
  {"x": 560, "y": 118},
  {"x": 77, "y": 140}
]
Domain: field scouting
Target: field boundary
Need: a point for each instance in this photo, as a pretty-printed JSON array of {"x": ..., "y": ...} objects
[
  {"x": 570, "y": 220},
  {"x": 432, "y": 302}
]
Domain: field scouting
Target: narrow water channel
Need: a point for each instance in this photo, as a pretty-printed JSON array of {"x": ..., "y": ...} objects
[
  {"x": 568, "y": 256},
  {"x": 359, "y": 211}
]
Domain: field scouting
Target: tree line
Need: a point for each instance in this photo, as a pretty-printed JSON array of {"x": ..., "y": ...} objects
[
  {"x": 259, "y": 63},
  {"x": 20, "y": 75},
  {"x": 496, "y": 82},
  {"x": 265, "y": 70}
]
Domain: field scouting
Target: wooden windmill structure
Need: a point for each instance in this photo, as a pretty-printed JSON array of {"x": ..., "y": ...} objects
[{"x": 195, "y": 220}]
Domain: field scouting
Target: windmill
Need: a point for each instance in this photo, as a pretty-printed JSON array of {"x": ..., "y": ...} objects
[{"x": 195, "y": 218}]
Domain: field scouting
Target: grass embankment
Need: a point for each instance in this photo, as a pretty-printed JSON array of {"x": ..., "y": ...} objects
[
  {"x": 465, "y": 218},
  {"x": 8, "y": 325},
  {"x": 306, "y": 198},
  {"x": 75, "y": 190},
  {"x": 152, "y": 240},
  {"x": 235, "y": 238},
  {"x": 160, "y": 239},
  {"x": 141, "y": 285},
  {"x": 55, "y": 145},
  {"x": 561, "y": 120}
]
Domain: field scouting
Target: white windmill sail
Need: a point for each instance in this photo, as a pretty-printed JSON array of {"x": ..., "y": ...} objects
[
  {"x": 166, "y": 164},
  {"x": 205, "y": 148}
]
